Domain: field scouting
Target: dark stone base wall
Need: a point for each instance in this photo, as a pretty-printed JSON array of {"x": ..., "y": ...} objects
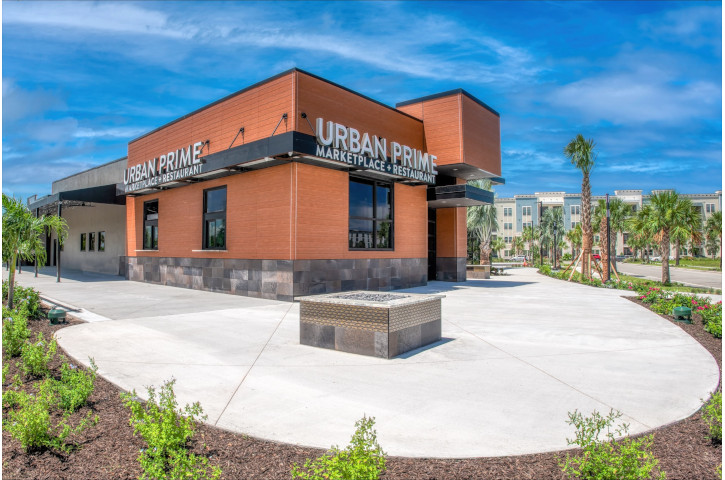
[
  {"x": 451, "y": 269},
  {"x": 278, "y": 279}
]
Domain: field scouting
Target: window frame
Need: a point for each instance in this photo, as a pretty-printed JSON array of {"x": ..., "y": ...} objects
[
  {"x": 91, "y": 241},
  {"x": 154, "y": 224},
  {"x": 216, "y": 215},
  {"x": 374, "y": 219},
  {"x": 102, "y": 241},
  {"x": 83, "y": 242}
]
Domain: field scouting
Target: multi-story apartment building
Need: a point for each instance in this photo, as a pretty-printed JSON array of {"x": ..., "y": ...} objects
[{"x": 514, "y": 214}]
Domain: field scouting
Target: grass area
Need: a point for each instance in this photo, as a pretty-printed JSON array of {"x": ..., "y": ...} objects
[
  {"x": 674, "y": 287},
  {"x": 697, "y": 263}
]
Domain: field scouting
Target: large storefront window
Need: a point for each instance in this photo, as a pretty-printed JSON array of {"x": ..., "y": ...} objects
[
  {"x": 151, "y": 225},
  {"x": 215, "y": 218},
  {"x": 371, "y": 215}
]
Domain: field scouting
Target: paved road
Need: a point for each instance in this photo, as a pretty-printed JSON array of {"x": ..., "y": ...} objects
[
  {"x": 686, "y": 276},
  {"x": 518, "y": 353}
]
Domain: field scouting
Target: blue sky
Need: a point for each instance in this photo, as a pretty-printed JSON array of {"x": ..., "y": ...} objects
[{"x": 643, "y": 79}]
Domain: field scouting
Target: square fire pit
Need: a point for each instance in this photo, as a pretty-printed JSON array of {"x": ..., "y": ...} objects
[{"x": 377, "y": 324}]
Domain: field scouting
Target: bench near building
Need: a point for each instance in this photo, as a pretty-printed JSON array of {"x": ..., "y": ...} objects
[{"x": 291, "y": 187}]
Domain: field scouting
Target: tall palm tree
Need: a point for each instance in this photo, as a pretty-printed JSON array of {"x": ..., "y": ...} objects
[
  {"x": 497, "y": 244},
  {"x": 528, "y": 235},
  {"x": 581, "y": 154},
  {"x": 713, "y": 227},
  {"x": 481, "y": 221},
  {"x": 21, "y": 235},
  {"x": 665, "y": 214}
]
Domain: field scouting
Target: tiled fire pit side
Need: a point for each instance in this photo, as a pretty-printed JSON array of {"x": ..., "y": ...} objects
[{"x": 357, "y": 323}]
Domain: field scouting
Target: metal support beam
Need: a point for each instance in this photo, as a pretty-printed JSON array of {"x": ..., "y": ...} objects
[{"x": 57, "y": 255}]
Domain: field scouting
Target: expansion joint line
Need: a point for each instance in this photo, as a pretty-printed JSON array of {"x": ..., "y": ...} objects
[{"x": 253, "y": 363}]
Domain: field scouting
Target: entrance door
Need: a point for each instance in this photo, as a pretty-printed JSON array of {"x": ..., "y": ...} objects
[{"x": 431, "y": 244}]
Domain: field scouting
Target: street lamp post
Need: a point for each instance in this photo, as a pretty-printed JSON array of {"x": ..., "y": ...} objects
[
  {"x": 609, "y": 250},
  {"x": 555, "y": 245},
  {"x": 541, "y": 243}
]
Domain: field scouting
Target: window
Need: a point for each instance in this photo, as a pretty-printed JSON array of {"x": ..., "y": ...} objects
[
  {"x": 91, "y": 241},
  {"x": 596, "y": 238},
  {"x": 526, "y": 211},
  {"x": 576, "y": 209},
  {"x": 709, "y": 208},
  {"x": 527, "y": 224},
  {"x": 371, "y": 214},
  {"x": 83, "y": 242},
  {"x": 151, "y": 225},
  {"x": 625, "y": 238},
  {"x": 508, "y": 212},
  {"x": 507, "y": 239},
  {"x": 101, "y": 241},
  {"x": 508, "y": 226},
  {"x": 574, "y": 224},
  {"x": 215, "y": 218}
]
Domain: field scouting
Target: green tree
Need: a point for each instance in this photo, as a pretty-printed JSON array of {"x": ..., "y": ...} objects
[
  {"x": 619, "y": 216},
  {"x": 497, "y": 244},
  {"x": 667, "y": 211},
  {"x": 22, "y": 234},
  {"x": 688, "y": 227},
  {"x": 529, "y": 235},
  {"x": 640, "y": 237},
  {"x": 713, "y": 227},
  {"x": 574, "y": 236},
  {"x": 518, "y": 245},
  {"x": 552, "y": 226},
  {"x": 481, "y": 221},
  {"x": 581, "y": 154}
]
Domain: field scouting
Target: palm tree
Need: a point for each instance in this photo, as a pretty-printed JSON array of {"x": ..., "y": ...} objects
[
  {"x": 497, "y": 244},
  {"x": 688, "y": 228},
  {"x": 581, "y": 154},
  {"x": 22, "y": 233},
  {"x": 666, "y": 212},
  {"x": 574, "y": 236},
  {"x": 481, "y": 221},
  {"x": 518, "y": 245},
  {"x": 619, "y": 215},
  {"x": 640, "y": 237},
  {"x": 552, "y": 224},
  {"x": 713, "y": 227},
  {"x": 528, "y": 235}
]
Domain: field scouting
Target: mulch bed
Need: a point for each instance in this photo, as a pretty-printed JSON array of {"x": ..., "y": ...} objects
[{"x": 109, "y": 450}]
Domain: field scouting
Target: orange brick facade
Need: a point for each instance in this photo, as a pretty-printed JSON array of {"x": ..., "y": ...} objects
[{"x": 287, "y": 224}]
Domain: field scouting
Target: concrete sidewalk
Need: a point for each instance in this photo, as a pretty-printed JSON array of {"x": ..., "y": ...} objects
[{"x": 518, "y": 353}]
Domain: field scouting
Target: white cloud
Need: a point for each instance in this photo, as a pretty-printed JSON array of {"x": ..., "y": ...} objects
[
  {"x": 695, "y": 26},
  {"x": 19, "y": 103},
  {"x": 110, "y": 132}
]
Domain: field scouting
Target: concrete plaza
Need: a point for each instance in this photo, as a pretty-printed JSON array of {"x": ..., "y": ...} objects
[{"x": 518, "y": 353}]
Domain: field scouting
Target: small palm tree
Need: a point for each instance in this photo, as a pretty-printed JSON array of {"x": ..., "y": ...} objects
[
  {"x": 481, "y": 222},
  {"x": 619, "y": 215},
  {"x": 518, "y": 245},
  {"x": 687, "y": 228},
  {"x": 666, "y": 212},
  {"x": 581, "y": 154},
  {"x": 552, "y": 224},
  {"x": 22, "y": 233},
  {"x": 714, "y": 230},
  {"x": 574, "y": 236},
  {"x": 497, "y": 244}
]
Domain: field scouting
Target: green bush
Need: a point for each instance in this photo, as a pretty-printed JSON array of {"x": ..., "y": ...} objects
[
  {"x": 545, "y": 269},
  {"x": 167, "y": 429},
  {"x": 363, "y": 459},
  {"x": 15, "y": 331},
  {"x": 37, "y": 355},
  {"x": 28, "y": 298},
  {"x": 605, "y": 459},
  {"x": 712, "y": 414},
  {"x": 712, "y": 319},
  {"x": 74, "y": 387},
  {"x": 566, "y": 257},
  {"x": 31, "y": 425}
]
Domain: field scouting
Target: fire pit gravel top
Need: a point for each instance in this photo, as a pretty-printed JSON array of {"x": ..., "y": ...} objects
[{"x": 370, "y": 296}]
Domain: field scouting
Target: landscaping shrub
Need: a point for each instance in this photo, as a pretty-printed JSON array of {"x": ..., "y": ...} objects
[
  {"x": 605, "y": 459},
  {"x": 15, "y": 331},
  {"x": 31, "y": 424},
  {"x": 36, "y": 356},
  {"x": 712, "y": 415},
  {"x": 363, "y": 459},
  {"x": 74, "y": 387},
  {"x": 167, "y": 429},
  {"x": 24, "y": 296},
  {"x": 712, "y": 319},
  {"x": 545, "y": 269}
]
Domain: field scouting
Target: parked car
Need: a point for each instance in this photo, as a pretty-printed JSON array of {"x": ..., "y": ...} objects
[
  {"x": 597, "y": 257},
  {"x": 518, "y": 258}
]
